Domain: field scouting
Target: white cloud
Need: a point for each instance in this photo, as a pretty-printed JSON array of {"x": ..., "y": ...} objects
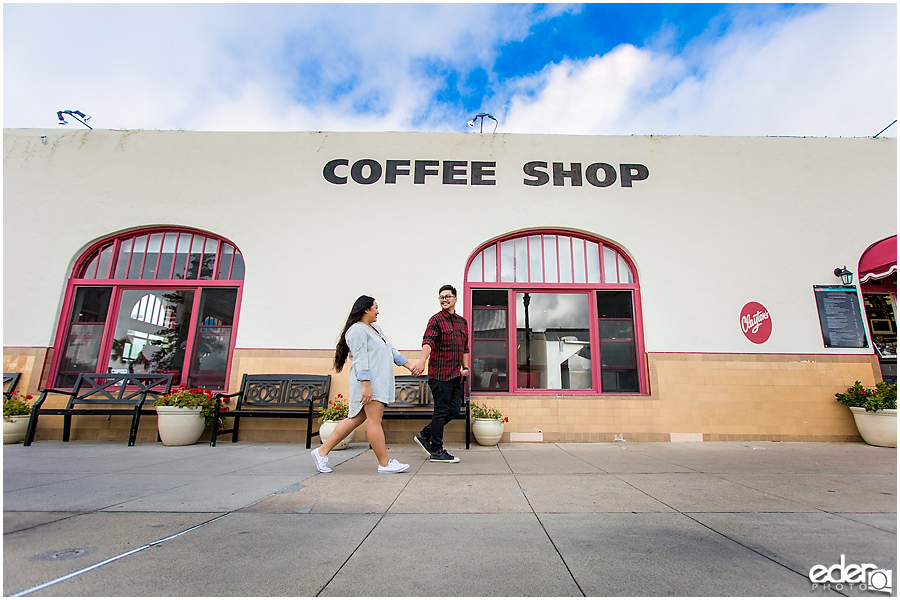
[
  {"x": 372, "y": 67},
  {"x": 269, "y": 67},
  {"x": 827, "y": 72}
]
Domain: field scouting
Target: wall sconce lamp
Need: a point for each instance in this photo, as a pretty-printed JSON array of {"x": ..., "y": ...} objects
[
  {"x": 75, "y": 114},
  {"x": 845, "y": 275}
]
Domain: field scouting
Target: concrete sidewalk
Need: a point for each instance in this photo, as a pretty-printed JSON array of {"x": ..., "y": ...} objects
[{"x": 612, "y": 519}]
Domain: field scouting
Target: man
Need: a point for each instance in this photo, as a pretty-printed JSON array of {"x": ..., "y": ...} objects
[{"x": 446, "y": 344}]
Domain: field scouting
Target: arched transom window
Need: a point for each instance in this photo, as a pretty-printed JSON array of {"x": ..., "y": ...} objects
[
  {"x": 152, "y": 301},
  {"x": 551, "y": 311}
]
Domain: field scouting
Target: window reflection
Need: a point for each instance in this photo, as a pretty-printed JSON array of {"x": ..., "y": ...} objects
[
  {"x": 553, "y": 349},
  {"x": 151, "y": 332}
]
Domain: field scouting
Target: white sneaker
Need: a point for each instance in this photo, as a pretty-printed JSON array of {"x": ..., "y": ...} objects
[
  {"x": 321, "y": 461},
  {"x": 393, "y": 466}
]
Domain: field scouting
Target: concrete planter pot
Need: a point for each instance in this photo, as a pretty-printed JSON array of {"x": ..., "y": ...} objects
[
  {"x": 487, "y": 432},
  {"x": 327, "y": 428},
  {"x": 14, "y": 429},
  {"x": 877, "y": 428},
  {"x": 179, "y": 426}
]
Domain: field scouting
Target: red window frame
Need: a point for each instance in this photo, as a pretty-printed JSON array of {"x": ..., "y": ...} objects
[
  {"x": 105, "y": 257},
  {"x": 524, "y": 284}
]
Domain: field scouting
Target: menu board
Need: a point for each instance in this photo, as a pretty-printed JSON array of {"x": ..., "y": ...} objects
[{"x": 840, "y": 317}]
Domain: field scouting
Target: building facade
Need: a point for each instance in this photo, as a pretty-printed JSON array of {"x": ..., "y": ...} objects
[{"x": 641, "y": 288}]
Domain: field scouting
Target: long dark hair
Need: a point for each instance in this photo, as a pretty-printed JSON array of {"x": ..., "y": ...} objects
[{"x": 342, "y": 350}]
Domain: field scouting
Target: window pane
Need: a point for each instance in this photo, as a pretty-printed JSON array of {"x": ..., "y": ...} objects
[
  {"x": 609, "y": 265},
  {"x": 578, "y": 259},
  {"x": 137, "y": 257},
  {"x": 209, "y": 258},
  {"x": 489, "y": 324},
  {"x": 225, "y": 261},
  {"x": 521, "y": 260},
  {"x": 550, "y": 275},
  {"x": 195, "y": 264},
  {"x": 237, "y": 271},
  {"x": 553, "y": 341},
  {"x": 489, "y": 366},
  {"x": 616, "y": 330},
  {"x": 474, "y": 274},
  {"x": 153, "y": 251},
  {"x": 619, "y": 380},
  {"x": 168, "y": 256},
  {"x": 616, "y": 354},
  {"x": 490, "y": 350},
  {"x": 212, "y": 339},
  {"x": 490, "y": 263},
  {"x": 490, "y": 298},
  {"x": 122, "y": 260},
  {"x": 625, "y": 275},
  {"x": 617, "y": 341},
  {"x": 535, "y": 259},
  {"x": 151, "y": 332},
  {"x": 81, "y": 350},
  {"x": 507, "y": 261},
  {"x": 565, "y": 259},
  {"x": 592, "y": 250},
  {"x": 105, "y": 258},
  {"x": 181, "y": 255},
  {"x": 614, "y": 305}
]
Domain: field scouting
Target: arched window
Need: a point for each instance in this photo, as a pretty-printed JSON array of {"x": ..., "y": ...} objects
[
  {"x": 551, "y": 311},
  {"x": 152, "y": 301}
]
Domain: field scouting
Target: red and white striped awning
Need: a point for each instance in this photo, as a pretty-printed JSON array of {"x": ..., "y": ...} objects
[{"x": 879, "y": 260}]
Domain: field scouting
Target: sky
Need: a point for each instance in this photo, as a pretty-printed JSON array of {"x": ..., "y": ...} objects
[{"x": 821, "y": 70}]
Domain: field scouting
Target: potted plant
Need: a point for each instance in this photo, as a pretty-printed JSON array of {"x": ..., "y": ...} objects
[
  {"x": 16, "y": 411},
  {"x": 183, "y": 415},
  {"x": 875, "y": 412},
  {"x": 333, "y": 414},
  {"x": 487, "y": 424}
]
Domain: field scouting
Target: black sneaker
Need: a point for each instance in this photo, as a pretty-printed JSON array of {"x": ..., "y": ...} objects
[
  {"x": 423, "y": 444},
  {"x": 444, "y": 457}
]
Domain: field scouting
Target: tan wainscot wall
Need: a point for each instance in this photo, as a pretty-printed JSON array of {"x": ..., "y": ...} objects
[{"x": 695, "y": 397}]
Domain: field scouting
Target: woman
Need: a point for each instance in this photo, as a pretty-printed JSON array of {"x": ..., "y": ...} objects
[{"x": 371, "y": 383}]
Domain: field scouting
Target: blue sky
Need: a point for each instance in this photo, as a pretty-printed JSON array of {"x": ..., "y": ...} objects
[{"x": 663, "y": 69}]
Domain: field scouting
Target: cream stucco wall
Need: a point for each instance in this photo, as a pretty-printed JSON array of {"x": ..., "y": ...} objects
[{"x": 719, "y": 222}]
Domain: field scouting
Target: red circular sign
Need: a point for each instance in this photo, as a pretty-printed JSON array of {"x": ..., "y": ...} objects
[{"x": 756, "y": 322}]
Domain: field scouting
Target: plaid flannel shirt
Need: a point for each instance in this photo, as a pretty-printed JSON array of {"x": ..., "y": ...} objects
[{"x": 448, "y": 335}]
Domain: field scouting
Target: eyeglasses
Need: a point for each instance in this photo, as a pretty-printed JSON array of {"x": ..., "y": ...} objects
[{"x": 445, "y": 297}]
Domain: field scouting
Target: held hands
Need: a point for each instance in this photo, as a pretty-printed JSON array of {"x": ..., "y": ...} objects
[{"x": 415, "y": 369}]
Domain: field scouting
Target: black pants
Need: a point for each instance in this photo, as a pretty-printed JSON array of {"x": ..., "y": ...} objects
[{"x": 448, "y": 397}]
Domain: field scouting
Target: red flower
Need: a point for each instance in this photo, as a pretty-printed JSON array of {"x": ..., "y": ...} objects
[
  {"x": 226, "y": 400},
  {"x": 506, "y": 419},
  {"x": 28, "y": 396}
]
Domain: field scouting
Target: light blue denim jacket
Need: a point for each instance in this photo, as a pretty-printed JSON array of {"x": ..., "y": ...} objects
[{"x": 373, "y": 358}]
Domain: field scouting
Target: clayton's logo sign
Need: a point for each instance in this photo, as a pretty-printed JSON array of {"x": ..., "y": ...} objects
[
  {"x": 756, "y": 322},
  {"x": 367, "y": 171}
]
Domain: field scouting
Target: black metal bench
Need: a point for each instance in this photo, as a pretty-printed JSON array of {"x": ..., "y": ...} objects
[
  {"x": 273, "y": 396},
  {"x": 99, "y": 389},
  {"x": 10, "y": 381},
  {"x": 413, "y": 400}
]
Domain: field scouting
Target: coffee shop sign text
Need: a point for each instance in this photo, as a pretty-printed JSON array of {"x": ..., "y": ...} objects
[{"x": 367, "y": 171}]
